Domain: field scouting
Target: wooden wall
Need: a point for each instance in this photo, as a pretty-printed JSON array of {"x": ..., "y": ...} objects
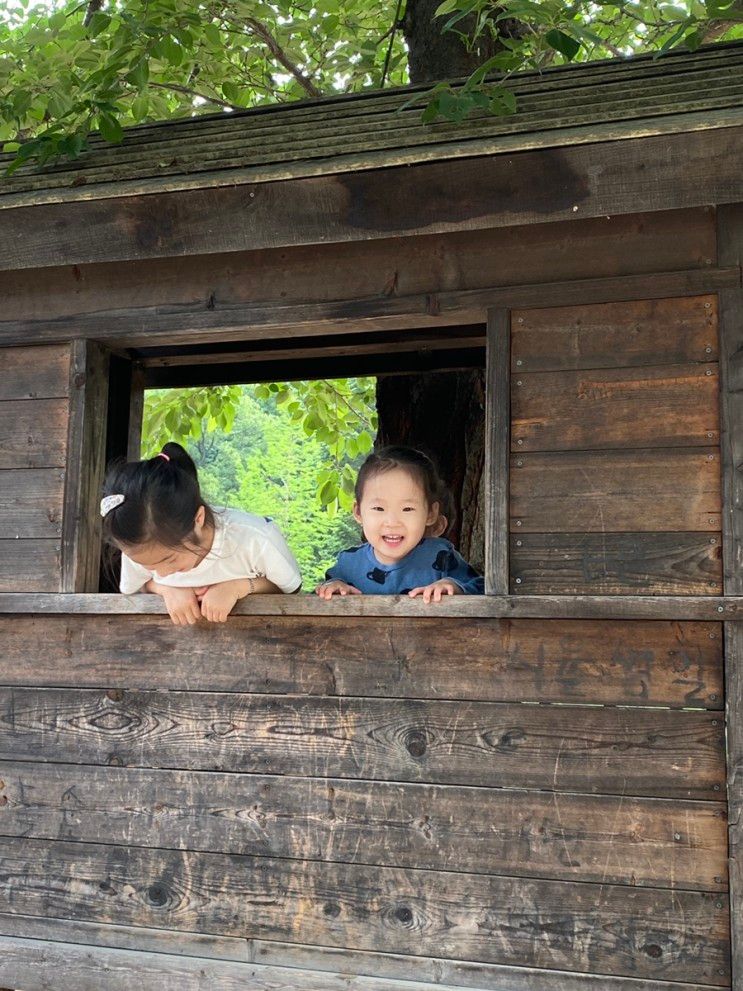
[
  {"x": 615, "y": 441},
  {"x": 320, "y": 792},
  {"x": 34, "y": 415}
]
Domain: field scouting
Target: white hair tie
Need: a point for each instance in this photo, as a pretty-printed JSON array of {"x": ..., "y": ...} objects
[{"x": 110, "y": 502}]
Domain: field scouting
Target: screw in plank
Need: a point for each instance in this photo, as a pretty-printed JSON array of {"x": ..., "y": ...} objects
[
  {"x": 519, "y": 543},
  {"x": 715, "y": 787},
  {"x": 712, "y": 521},
  {"x": 718, "y": 880},
  {"x": 720, "y": 609},
  {"x": 712, "y": 540},
  {"x": 519, "y": 464},
  {"x": 519, "y": 442},
  {"x": 519, "y": 382},
  {"x": 520, "y": 320},
  {"x": 519, "y": 362},
  {"x": 718, "y": 904},
  {"x": 518, "y": 522},
  {"x": 518, "y": 581},
  {"x": 708, "y": 372},
  {"x": 713, "y": 698},
  {"x": 707, "y": 306},
  {"x": 708, "y": 350},
  {"x": 677, "y": 837}
]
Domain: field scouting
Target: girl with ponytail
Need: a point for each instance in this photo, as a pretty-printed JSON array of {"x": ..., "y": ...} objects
[{"x": 200, "y": 560}]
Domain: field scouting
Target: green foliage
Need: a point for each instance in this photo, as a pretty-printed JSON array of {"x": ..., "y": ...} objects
[
  {"x": 339, "y": 414},
  {"x": 68, "y": 68},
  {"x": 266, "y": 463},
  {"x": 537, "y": 34}
]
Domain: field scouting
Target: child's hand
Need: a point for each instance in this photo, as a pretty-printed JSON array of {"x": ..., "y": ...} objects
[
  {"x": 182, "y": 604},
  {"x": 326, "y": 590},
  {"x": 444, "y": 586},
  {"x": 218, "y": 600}
]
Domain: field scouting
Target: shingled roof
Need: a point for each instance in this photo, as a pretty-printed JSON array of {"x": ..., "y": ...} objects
[{"x": 567, "y": 105}]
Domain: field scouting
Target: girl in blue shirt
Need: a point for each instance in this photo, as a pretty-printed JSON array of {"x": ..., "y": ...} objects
[{"x": 399, "y": 497}]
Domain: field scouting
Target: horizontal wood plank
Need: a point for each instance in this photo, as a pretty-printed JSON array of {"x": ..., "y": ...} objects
[
  {"x": 210, "y": 320},
  {"x": 31, "y": 565},
  {"x": 68, "y": 967},
  {"x": 616, "y": 491},
  {"x": 615, "y": 750},
  {"x": 606, "y": 662},
  {"x": 618, "y": 930},
  {"x": 615, "y": 335},
  {"x": 324, "y": 962},
  {"x": 664, "y": 241},
  {"x": 35, "y": 372},
  {"x": 626, "y": 607},
  {"x": 33, "y": 433},
  {"x": 654, "y": 406},
  {"x": 31, "y": 502},
  {"x": 616, "y": 563},
  {"x": 603, "y": 179},
  {"x": 606, "y": 839}
]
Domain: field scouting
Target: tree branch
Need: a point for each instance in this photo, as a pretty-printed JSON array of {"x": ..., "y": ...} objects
[
  {"x": 93, "y": 7},
  {"x": 201, "y": 96},
  {"x": 262, "y": 32}
]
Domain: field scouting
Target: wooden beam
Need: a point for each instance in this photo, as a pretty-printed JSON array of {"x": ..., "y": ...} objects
[
  {"x": 86, "y": 448},
  {"x": 730, "y": 247},
  {"x": 650, "y": 173},
  {"x": 497, "y": 449},
  {"x": 68, "y": 966},
  {"x": 676, "y": 607},
  {"x": 205, "y": 321}
]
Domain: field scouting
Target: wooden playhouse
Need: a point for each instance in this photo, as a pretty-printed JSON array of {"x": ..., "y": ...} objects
[{"x": 536, "y": 790}]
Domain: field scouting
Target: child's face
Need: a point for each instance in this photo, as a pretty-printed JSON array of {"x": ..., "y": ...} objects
[
  {"x": 394, "y": 514},
  {"x": 164, "y": 560}
]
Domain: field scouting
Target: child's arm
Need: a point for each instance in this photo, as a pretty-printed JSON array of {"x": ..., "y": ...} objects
[
  {"x": 458, "y": 578},
  {"x": 337, "y": 580},
  {"x": 218, "y": 600},
  {"x": 182, "y": 603}
]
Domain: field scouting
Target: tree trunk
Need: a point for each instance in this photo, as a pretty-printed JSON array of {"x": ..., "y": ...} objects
[{"x": 442, "y": 413}]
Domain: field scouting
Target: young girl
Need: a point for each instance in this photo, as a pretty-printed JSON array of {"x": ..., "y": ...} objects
[
  {"x": 199, "y": 560},
  {"x": 400, "y": 504}
]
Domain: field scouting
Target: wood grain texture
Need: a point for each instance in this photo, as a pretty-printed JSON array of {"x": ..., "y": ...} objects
[
  {"x": 616, "y": 335},
  {"x": 626, "y": 607},
  {"x": 640, "y": 752},
  {"x": 616, "y": 563},
  {"x": 86, "y": 455},
  {"x": 730, "y": 237},
  {"x": 31, "y": 502},
  {"x": 654, "y": 406},
  {"x": 618, "y": 930},
  {"x": 39, "y": 964},
  {"x": 650, "y": 173},
  {"x": 497, "y": 432},
  {"x": 599, "y": 662},
  {"x": 31, "y": 565},
  {"x": 211, "y": 320},
  {"x": 33, "y": 433},
  {"x": 616, "y": 491},
  {"x": 34, "y": 372},
  {"x": 666, "y": 241},
  {"x": 606, "y": 839}
]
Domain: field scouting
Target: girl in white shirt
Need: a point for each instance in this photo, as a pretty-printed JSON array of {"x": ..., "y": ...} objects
[{"x": 200, "y": 560}]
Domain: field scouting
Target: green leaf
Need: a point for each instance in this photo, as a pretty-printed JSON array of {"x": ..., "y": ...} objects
[
  {"x": 111, "y": 130},
  {"x": 140, "y": 74},
  {"x": 562, "y": 43},
  {"x": 98, "y": 23}
]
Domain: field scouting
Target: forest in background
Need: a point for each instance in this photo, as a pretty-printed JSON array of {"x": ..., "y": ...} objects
[{"x": 266, "y": 463}]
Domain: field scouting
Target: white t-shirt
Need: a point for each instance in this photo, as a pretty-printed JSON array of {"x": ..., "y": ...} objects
[{"x": 245, "y": 546}]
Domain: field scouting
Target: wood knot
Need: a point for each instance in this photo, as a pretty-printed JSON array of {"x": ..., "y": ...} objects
[{"x": 415, "y": 743}]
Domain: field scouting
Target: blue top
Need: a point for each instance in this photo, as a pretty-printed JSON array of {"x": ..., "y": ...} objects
[{"x": 432, "y": 559}]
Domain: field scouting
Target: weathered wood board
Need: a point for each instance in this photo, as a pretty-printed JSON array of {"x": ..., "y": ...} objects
[
  {"x": 611, "y": 662},
  {"x": 613, "y": 929}
]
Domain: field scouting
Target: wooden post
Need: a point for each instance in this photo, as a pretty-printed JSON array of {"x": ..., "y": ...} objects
[
  {"x": 497, "y": 450},
  {"x": 730, "y": 247},
  {"x": 86, "y": 447}
]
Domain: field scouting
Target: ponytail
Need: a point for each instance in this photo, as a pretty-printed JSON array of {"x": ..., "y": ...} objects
[{"x": 152, "y": 501}]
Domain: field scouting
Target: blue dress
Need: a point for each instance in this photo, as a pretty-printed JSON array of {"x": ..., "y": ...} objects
[{"x": 432, "y": 559}]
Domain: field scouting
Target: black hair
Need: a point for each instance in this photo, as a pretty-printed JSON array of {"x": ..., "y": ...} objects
[
  {"x": 161, "y": 499},
  {"x": 418, "y": 465}
]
